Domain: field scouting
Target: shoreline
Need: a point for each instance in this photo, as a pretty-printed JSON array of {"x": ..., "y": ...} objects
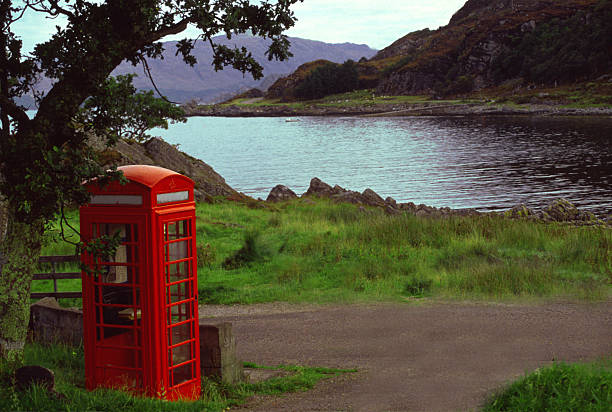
[{"x": 397, "y": 110}]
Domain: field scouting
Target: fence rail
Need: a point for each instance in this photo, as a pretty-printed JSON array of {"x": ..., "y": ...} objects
[{"x": 53, "y": 260}]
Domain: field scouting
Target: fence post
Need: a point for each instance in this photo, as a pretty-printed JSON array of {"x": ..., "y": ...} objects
[{"x": 54, "y": 277}]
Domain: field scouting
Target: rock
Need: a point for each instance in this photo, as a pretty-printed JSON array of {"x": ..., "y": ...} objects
[
  {"x": 348, "y": 196},
  {"x": 319, "y": 188},
  {"x": 253, "y": 375},
  {"x": 27, "y": 376},
  {"x": 372, "y": 198},
  {"x": 561, "y": 210},
  {"x": 519, "y": 211},
  {"x": 280, "y": 193},
  {"x": 157, "y": 152},
  {"x": 207, "y": 181},
  {"x": 391, "y": 210},
  {"x": 390, "y": 202},
  {"x": 528, "y": 26},
  {"x": 408, "y": 207}
]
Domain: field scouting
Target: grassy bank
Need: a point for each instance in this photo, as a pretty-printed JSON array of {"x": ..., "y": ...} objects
[
  {"x": 580, "y": 95},
  {"x": 560, "y": 387},
  {"x": 68, "y": 366},
  {"x": 321, "y": 252}
]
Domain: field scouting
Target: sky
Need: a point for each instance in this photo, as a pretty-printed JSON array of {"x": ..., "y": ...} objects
[{"x": 373, "y": 22}]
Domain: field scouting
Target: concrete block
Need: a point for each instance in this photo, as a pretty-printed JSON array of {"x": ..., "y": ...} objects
[
  {"x": 218, "y": 352},
  {"x": 49, "y": 322}
]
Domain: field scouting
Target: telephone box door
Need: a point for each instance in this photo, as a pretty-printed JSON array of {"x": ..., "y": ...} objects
[
  {"x": 115, "y": 287},
  {"x": 180, "y": 302}
]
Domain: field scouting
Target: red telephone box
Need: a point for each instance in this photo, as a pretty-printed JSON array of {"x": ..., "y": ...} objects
[{"x": 140, "y": 306}]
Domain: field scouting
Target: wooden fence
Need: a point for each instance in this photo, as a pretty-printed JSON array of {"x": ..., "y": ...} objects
[{"x": 53, "y": 260}]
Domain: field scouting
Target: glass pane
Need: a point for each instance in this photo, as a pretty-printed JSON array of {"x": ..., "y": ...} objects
[
  {"x": 178, "y": 292},
  {"x": 181, "y": 354},
  {"x": 180, "y": 313},
  {"x": 117, "y": 295},
  {"x": 177, "y": 230},
  {"x": 178, "y": 250},
  {"x": 120, "y": 295},
  {"x": 180, "y": 333},
  {"x": 119, "y": 336},
  {"x": 172, "y": 197},
  {"x": 119, "y": 274},
  {"x": 182, "y": 374},
  {"x": 178, "y": 271},
  {"x": 111, "y": 229}
]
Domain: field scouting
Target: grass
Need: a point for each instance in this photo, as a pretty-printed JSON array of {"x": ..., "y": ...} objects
[
  {"x": 560, "y": 387},
  {"x": 365, "y": 97},
  {"x": 580, "y": 95},
  {"x": 321, "y": 252},
  {"x": 68, "y": 366}
]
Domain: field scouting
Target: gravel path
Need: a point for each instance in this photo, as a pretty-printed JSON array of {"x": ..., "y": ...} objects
[{"x": 429, "y": 356}]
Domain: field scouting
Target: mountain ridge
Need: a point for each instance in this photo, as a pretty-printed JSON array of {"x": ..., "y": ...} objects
[{"x": 180, "y": 82}]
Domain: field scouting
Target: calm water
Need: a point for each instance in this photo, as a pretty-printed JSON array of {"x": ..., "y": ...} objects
[{"x": 484, "y": 163}]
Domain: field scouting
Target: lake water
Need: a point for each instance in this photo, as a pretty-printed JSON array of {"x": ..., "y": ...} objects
[{"x": 488, "y": 163}]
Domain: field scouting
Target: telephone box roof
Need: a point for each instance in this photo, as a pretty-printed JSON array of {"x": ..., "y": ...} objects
[{"x": 148, "y": 175}]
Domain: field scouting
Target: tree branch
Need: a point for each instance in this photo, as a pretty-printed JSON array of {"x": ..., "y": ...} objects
[
  {"x": 166, "y": 31},
  {"x": 13, "y": 110},
  {"x": 148, "y": 72}
]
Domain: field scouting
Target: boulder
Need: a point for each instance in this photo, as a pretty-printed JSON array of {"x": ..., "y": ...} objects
[
  {"x": 372, "y": 198},
  {"x": 389, "y": 201},
  {"x": 519, "y": 211},
  {"x": 561, "y": 210},
  {"x": 280, "y": 193},
  {"x": 348, "y": 196},
  {"x": 319, "y": 188},
  {"x": 27, "y": 376}
]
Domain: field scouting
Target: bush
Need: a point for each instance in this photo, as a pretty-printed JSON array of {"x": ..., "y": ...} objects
[{"x": 329, "y": 79}]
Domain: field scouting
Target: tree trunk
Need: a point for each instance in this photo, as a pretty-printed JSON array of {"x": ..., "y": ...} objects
[{"x": 20, "y": 246}]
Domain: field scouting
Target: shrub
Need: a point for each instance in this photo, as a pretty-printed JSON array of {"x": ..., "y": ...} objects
[{"x": 329, "y": 79}]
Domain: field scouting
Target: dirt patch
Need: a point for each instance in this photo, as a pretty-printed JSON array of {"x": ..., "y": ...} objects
[{"x": 428, "y": 357}]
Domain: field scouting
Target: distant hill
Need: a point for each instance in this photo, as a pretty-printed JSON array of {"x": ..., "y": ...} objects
[
  {"x": 489, "y": 43},
  {"x": 181, "y": 83}
]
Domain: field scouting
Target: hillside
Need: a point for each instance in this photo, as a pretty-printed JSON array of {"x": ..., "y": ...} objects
[
  {"x": 181, "y": 83},
  {"x": 490, "y": 43}
]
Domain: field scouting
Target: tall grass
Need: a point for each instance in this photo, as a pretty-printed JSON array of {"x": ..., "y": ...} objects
[
  {"x": 560, "y": 387},
  {"x": 305, "y": 251}
]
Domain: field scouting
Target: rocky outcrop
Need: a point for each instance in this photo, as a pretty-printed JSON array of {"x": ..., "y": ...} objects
[
  {"x": 280, "y": 193},
  {"x": 407, "y": 45},
  {"x": 559, "y": 210},
  {"x": 369, "y": 197},
  {"x": 157, "y": 152}
]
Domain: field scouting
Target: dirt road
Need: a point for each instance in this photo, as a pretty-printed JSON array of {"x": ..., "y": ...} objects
[{"x": 425, "y": 357}]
